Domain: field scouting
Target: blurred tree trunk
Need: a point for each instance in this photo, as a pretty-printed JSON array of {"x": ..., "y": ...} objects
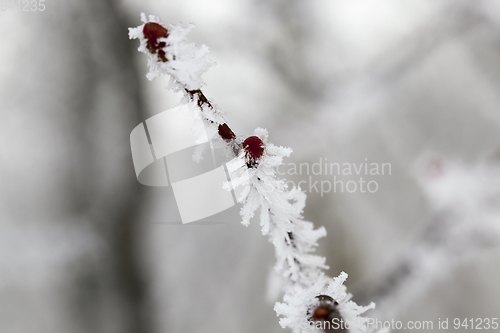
[
  {"x": 70, "y": 98},
  {"x": 116, "y": 214}
]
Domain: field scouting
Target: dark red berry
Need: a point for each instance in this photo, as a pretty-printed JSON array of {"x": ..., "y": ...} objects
[
  {"x": 152, "y": 32},
  {"x": 254, "y": 149}
]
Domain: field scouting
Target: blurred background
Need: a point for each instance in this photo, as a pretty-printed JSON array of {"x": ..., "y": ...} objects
[{"x": 85, "y": 248}]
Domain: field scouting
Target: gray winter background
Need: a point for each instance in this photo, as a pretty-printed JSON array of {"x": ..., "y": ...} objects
[{"x": 85, "y": 248}]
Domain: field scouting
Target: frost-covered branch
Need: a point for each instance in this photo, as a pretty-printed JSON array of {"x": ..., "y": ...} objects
[
  {"x": 169, "y": 54},
  {"x": 311, "y": 299}
]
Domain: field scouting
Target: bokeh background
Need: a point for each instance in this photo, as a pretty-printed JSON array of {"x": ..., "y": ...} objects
[{"x": 85, "y": 248}]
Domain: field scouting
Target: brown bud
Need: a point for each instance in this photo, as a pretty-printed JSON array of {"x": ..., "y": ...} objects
[
  {"x": 226, "y": 133},
  {"x": 152, "y": 32}
]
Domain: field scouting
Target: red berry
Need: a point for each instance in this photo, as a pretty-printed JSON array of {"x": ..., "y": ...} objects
[
  {"x": 254, "y": 149},
  {"x": 152, "y": 31}
]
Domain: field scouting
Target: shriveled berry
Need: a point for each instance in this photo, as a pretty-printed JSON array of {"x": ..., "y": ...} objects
[
  {"x": 152, "y": 32},
  {"x": 254, "y": 149}
]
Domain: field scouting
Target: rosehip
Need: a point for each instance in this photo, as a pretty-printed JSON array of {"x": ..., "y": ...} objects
[{"x": 254, "y": 149}]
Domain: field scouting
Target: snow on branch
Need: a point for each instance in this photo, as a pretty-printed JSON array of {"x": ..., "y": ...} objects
[
  {"x": 170, "y": 54},
  {"x": 310, "y": 297}
]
